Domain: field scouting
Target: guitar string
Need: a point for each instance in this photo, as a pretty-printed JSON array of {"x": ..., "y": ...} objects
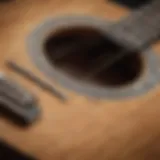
[
  {"x": 124, "y": 53},
  {"x": 144, "y": 13}
]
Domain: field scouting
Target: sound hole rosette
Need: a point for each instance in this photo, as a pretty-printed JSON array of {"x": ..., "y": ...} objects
[{"x": 35, "y": 46}]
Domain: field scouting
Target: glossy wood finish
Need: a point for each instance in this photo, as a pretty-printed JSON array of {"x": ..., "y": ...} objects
[{"x": 81, "y": 129}]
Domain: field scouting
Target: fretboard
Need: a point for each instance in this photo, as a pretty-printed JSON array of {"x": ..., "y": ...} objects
[{"x": 138, "y": 29}]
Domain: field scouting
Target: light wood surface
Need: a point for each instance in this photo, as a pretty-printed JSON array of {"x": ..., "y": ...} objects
[{"x": 81, "y": 129}]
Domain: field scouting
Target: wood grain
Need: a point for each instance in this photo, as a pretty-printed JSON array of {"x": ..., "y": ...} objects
[{"x": 82, "y": 129}]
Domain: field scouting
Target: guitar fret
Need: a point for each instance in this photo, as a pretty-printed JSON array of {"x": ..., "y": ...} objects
[{"x": 138, "y": 29}]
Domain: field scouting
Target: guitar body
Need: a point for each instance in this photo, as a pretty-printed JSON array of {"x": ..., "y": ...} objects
[{"x": 83, "y": 127}]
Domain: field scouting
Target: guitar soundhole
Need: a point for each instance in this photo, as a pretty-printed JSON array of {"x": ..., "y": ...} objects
[
  {"x": 80, "y": 51},
  {"x": 132, "y": 3}
]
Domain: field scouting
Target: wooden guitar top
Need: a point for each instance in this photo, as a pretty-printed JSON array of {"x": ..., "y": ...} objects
[{"x": 83, "y": 128}]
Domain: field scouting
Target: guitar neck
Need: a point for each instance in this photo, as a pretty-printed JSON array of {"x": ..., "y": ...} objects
[{"x": 140, "y": 29}]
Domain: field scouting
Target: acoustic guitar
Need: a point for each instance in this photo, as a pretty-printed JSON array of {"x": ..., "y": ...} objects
[{"x": 105, "y": 59}]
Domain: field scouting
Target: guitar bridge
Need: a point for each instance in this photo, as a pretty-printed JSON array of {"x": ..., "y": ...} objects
[{"x": 16, "y": 103}]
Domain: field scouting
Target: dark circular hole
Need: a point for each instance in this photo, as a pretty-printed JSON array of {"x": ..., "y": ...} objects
[{"x": 80, "y": 51}]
